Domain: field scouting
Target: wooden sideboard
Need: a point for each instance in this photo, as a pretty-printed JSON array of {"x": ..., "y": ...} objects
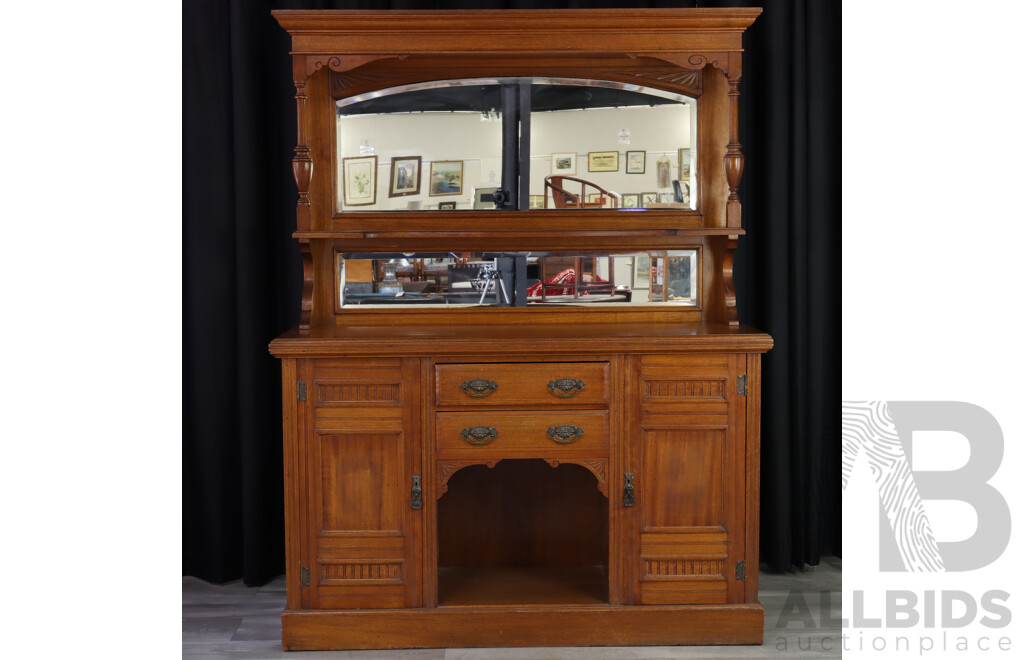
[{"x": 519, "y": 473}]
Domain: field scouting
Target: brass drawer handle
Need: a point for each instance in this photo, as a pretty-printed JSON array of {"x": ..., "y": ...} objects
[
  {"x": 565, "y": 434},
  {"x": 479, "y": 435},
  {"x": 566, "y": 387},
  {"x": 479, "y": 387}
]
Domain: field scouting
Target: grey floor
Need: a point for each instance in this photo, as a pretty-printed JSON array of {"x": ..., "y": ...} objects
[{"x": 235, "y": 621}]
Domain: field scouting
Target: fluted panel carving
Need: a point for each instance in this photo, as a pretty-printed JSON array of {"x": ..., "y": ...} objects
[
  {"x": 368, "y": 392},
  {"x": 681, "y": 389},
  {"x": 661, "y": 568},
  {"x": 377, "y": 571}
]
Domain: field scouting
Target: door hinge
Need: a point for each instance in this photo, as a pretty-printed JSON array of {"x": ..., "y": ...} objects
[
  {"x": 741, "y": 570},
  {"x": 300, "y": 387},
  {"x": 741, "y": 385},
  {"x": 303, "y": 576}
]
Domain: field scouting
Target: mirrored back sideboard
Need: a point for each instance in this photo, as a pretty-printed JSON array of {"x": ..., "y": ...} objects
[{"x": 519, "y": 408}]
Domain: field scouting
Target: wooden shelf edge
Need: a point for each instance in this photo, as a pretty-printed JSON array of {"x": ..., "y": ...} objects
[
  {"x": 414, "y": 340},
  {"x": 520, "y": 233}
]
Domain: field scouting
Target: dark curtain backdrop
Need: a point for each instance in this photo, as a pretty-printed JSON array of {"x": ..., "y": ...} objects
[{"x": 242, "y": 273}]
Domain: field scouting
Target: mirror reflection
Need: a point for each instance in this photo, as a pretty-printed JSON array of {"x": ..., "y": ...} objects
[
  {"x": 517, "y": 279},
  {"x": 462, "y": 145}
]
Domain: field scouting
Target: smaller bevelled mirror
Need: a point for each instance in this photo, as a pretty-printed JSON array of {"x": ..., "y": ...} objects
[{"x": 517, "y": 279}]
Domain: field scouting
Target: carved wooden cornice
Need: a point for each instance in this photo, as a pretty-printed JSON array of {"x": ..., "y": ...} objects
[{"x": 709, "y": 35}]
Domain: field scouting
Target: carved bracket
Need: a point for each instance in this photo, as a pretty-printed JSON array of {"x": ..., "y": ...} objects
[
  {"x": 691, "y": 80},
  {"x": 306, "y": 312},
  {"x": 691, "y": 61},
  {"x": 727, "y": 279},
  {"x": 342, "y": 63},
  {"x": 596, "y": 467},
  {"x": 445, "y": 470}
]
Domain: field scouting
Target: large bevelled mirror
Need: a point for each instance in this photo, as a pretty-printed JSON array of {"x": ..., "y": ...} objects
[{"x": 516, "y": 144}]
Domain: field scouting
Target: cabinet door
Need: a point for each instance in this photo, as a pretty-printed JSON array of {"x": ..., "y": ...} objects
[
  {"x": 689, "y": 480},
  {"x": 361, "y": 456}
]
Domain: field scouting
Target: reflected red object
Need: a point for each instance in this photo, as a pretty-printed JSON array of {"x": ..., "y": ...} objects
[{"x": 567, "y": 276}]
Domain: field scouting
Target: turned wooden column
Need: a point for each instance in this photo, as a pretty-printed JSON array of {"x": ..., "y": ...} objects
[
  {"x": 302, "y": 170},
  {"x": 733, "y": 151}
]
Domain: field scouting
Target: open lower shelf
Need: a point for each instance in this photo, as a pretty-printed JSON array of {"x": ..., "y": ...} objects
[{"x": 525, "y": 585}]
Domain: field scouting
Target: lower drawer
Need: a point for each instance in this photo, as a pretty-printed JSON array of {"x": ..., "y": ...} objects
[{"x": 522, "y": 433}]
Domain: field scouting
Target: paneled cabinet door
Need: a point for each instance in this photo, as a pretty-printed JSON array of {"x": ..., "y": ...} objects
[
  {"x": 362, "y": 455},
  {"x": 689, "y": 479}
]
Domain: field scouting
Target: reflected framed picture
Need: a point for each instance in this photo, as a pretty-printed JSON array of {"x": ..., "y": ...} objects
[
  {"x": 631, "y": 200},
  {"x": 483, "y": 198},
  {"x": 664, "y": 172},
  {"x": 642, "y": 272},
  {"x": 405, "y": 176},
  {"x": 636, "y": 162},
  {"x": 445, "y": 178},
  {"x": 359, "y": 177},
  {"x": 603, "y": 161},
  {"x": 446, "y": 206},
  {"x": 537, "y": 202},
  {"x": 666, "y": 198},
  {"x": 563, "y": 163},
  {"x": 684, "y": 163},
  {"x": 648, "y": 198}
]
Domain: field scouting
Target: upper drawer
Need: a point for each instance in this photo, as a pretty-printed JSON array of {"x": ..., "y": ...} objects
[{"x": 524, "y": 384}]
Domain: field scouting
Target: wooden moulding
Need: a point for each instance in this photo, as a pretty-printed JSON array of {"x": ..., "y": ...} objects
[
  {"x": 657, "y": 69},
  {"x": 712, "y": 33},
  {"x": 530, "y": 340},
  {"x": 471, "y": 627}
]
